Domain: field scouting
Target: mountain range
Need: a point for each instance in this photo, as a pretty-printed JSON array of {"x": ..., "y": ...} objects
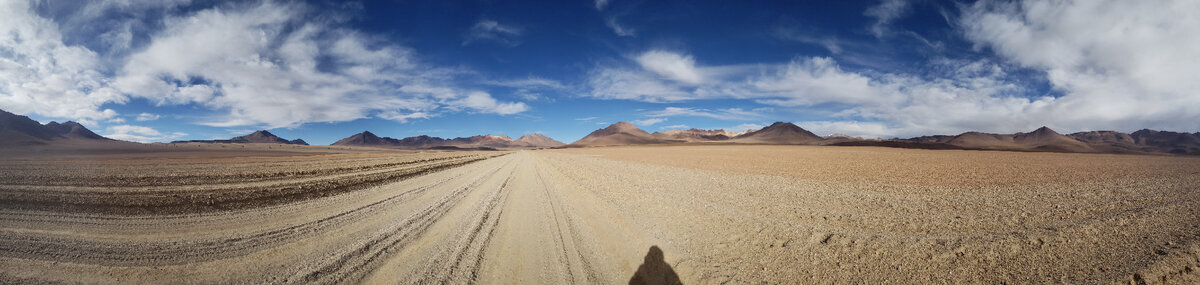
[
  {"x": 1041, "y": 139},
  {"x": 625, "y": 133},
  {"x": 366, "y": 138},
  {"x": 261, "y": 136},
  {"x": 17, "y": 130}
]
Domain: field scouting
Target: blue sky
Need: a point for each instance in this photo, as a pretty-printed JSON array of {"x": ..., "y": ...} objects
[{"x": 175, "y": 70}]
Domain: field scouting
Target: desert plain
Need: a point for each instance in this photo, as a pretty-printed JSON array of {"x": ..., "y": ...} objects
[{"x": 694, "y": 214}]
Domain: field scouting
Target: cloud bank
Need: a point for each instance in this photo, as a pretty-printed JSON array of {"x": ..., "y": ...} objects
[
  {"x": 1111, "y": 65},
  {"x": 253, "y": 64}
]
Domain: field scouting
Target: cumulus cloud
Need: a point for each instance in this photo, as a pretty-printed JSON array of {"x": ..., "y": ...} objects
[
  {"x": 1121, "y": 64},
  {"x": 261, "y": 64},
  {"x": 1116, "y": 66},
  {"x": 968, "y": 95},
  {"x": 490, "y": 30},
  {"x": 140, "y": 134},
  {"x": 675, "y": 66},
  {"x": 40, "y": 74},
  {"x": 629, "y": 84},
  {"x": 483, "y": 102},
  {"x": 247, "y": 61},
  {"x": 856, "y": 128}
]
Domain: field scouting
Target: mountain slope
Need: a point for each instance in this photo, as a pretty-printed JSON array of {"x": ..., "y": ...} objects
[
  {"x": 779, "y": 133},
  {"x": 21, "y": 130},
  {"x": 621, "y": 133},
  {"x": 538, "y": 140},
  {"x": 696, "y": 135},
  {"x": 261, "y": 136},
  {"x": 1042, "y": 139},
  {"x": 1169, "y": 142},
  {"x": 424, "y": 141}
]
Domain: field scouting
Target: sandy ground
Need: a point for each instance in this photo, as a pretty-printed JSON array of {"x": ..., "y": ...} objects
[{"x": 696, "y": 214}]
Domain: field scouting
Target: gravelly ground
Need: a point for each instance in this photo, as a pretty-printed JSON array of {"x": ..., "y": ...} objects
[{"x": 701, "y": 214}]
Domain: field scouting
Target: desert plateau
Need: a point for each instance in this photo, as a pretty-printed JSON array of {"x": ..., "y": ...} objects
[
  {"x": 223, "y": 213},
  {"x": 600, "y": 142}
]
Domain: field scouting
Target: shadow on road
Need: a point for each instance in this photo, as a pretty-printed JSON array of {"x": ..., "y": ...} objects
[{"x": 654, "y": 270}]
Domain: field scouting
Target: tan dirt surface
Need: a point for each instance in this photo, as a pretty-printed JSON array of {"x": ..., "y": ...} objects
[{"x": 697, "y": 214}]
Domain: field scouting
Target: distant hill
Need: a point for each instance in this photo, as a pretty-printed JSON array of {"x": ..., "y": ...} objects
[
  {"x": 1042, "y": 139},
  {"x": 21, "y": 130},
  {"x": 696, "y": 135},
  {"x": 779, "y": 133},
  {"x": 1046, "y": 139},
  {"x": 538, "y": 140},
  {"x": 261, "y": 136},
  {"x": 367, "y": 138},
  {"x": 621, "y": 133},
  {"x": 1169, "y": 142}
]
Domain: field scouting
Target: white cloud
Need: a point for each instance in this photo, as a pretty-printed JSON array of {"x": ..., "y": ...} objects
[
  {"x": 1120, "y": 64},
  {"x": 252, "y": 64},
  {"x": 531, "y": 82},
  {"x": 671, "y": 65},
  {"x": 792, "y": 34},
  {"x": 600, "y": 4},
  {"x": 617, "y": 83},
  {"x": 491, "y": 30},
  {"x": 40, "y": 74},
  {"x": 968, "y": 95},
  {"x": 249, "y": 62},
  {"x": 674, "y": 127},
  {"x": 403, "y": 117},
  {"x": 649, "y": 122},
  {"x": 140, "y": 134},
  {"x": 884, "y": 13},
  {"x": 743, "y": 127},
  {"x": 619, "y": 29},
  {"x": 483, "y": 102},
  {"x": 721, "y": 114},
  {"x": 586, "y": 119},
  {"x": 852, "y": 128}
]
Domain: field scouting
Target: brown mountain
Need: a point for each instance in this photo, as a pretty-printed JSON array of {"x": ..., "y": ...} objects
[
  {"x": 367, "y": 138},
  {"x": 1109, "y": 141},
  {"x": 621, "y": 133},
  {"x": 484, "y": 141},
  {"x": 73, "y": 130},
  {"x": 538, "y": 140},
  {"x": 1042, "y": 139},
  {"x": 1169, "y": 142},
  {"x": 21, "y": 130},
  {"x": 261, "y": 136},
  {"x": 779, "y": 133},
  {"x": 696, "y": 135},
  {"x": 424, "y": 141}
]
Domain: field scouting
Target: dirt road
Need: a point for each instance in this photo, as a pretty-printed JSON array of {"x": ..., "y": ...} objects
[{"x": 595, "y": 216}]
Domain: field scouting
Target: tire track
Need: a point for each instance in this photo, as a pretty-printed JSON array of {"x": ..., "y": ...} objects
[
  {"x": 208, "y": 198},
  {"x": 467, "y": 257},
  {"x": 357, "y": 261},
  {"x": 116, "y": 253}
]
